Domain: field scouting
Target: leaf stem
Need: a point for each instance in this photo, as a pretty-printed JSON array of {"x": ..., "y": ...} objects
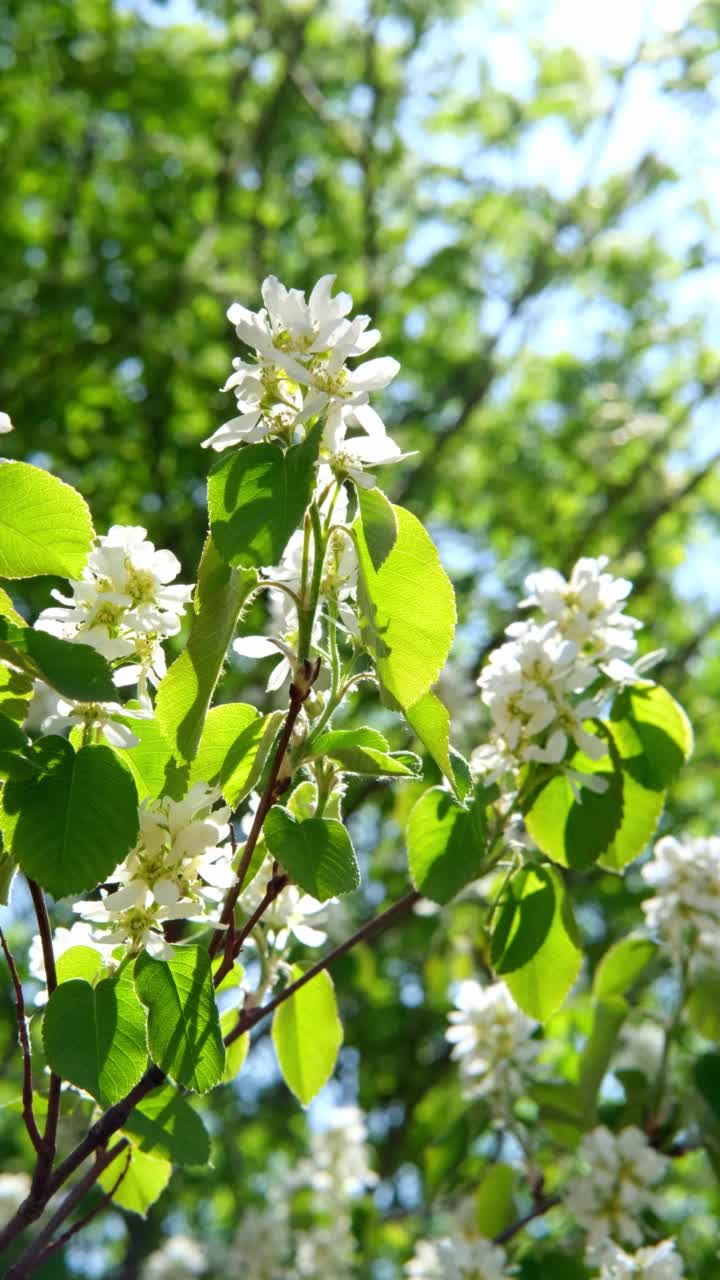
[{"x": 27, "y": 1092}]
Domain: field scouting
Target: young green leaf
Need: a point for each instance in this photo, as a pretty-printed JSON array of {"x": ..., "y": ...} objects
[
  {"x": 653, "y": 735},
  {"x": 609, "y": 1016},
  {"x": 75, "y": 670},
  {"x": 257, "y": 497},
  {"x": 150, "y": 762},
  {"x": 45, "y": 525},
  {"x": 69, "y": 828},
  {"x": 494, "y": 1199},
  {"x": 622, "y": 965},
  {"x": 183, "y": 1021},
  {"x": 409, "y": 643},
  {"x": 540, "y": 986},
  {"x": 230, "y": 733},
  {"x": 446, "y": 844},
  {"x": 95, "y": 1036},
  {"x": 185, "y": 693},
  {"x": 575, "y": 832},
  {"x": 237, "y": 1052},
  {"x": 15, "y": 692},
  {"x": 364, "y": 751},
  {"x": 79, "y": 962},
  {"x": 164, "y": 1124},
  {"x": 379, "y": 522},
  {"x": 430, "y": 720},
  {"x": 143, "y": 1183},
  {"x": 307, "y": 1034},
  {"x": 8, "y": 610},
  {"x": 317, "y": 853}
]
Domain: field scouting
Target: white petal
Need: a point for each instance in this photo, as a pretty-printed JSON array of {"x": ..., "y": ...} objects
[
  {"x": 254, "y": 647},
  {"x": 5, "y": 424}
]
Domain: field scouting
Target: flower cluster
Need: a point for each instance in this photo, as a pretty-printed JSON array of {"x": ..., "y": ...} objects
[
  {"x": 456, "y": 1258},
  {"x": 289, "y": 913},
  {"x": 608, "y": 1201},
  {"x": 299, "y": 370},
  {"x": 180, "y": 1258},
  {"x": 656, "y": 1262},
  {"x": 125, "y": 604},
  {"x": 685, "y": 906},
  {"x": 177, "y": 870},
  {"x": 492, "y": 1041},
  {"x": 541, "y": 687}
]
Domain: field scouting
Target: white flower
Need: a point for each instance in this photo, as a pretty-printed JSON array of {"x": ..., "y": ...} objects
[
  {"x": 97, "y": 718},
  {"x": 655, "y": 1262},
  {"x": 262, "y": 1243},
  {"x": 451, "y": 1258},
  {"x": 587, "y": 609},
  {"x": 124, "y": 605},
  {"x": 14, "y": 1188},
  {"x": 135, "y": 919},
  {"x": 492, "y": 1041},
  {"x": 337, "y": 1167},
  {"x": 288, "y": 914},
  {"x": 300, "y": 351},
  {"x": 180, "y": 1258},
  {"x": 350, "y": 457},
  {"x": 685, "y": 907},
  {"x": 620, "y": 1170},
  {"x": 5, "y": 423},
  {"x": 326, "y": 1250}
]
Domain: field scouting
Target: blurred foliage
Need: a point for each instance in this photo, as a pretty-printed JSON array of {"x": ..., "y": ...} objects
[{"x": 547, "y": 292}]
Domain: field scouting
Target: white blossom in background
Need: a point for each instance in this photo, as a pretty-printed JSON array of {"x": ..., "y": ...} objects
[
  {"x": 126, "y": 603},
  {"x": 14, "y": 1188},
  {"x": 655, "y": 1262},
  {"x": 451, "y": 1258},
  {"x": 620, "y": 1170},
  {"x": 299, "y": 366},
  {"x": 51, "y": 713},
  {"x": 178, "y": 870},
  {"x": 326, "y": 1250},
  {"x": 261, "y": 1248},
  {"x": 79, "y": 934},
  {"x": 492, "y": 1042},
  {"x": 337, "y": 1167},
  {"x": 179, "y": 1258},
  {"x": 684, "y": 909},
  {"x": 536, "y": 685},
  {"x": 5, "y": 424}
]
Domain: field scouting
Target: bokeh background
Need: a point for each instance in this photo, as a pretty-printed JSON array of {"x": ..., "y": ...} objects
[{"x": 524, "y": 196}]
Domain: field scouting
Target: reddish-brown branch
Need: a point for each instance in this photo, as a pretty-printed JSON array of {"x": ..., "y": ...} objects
[{"x": 27, "y": 1092}]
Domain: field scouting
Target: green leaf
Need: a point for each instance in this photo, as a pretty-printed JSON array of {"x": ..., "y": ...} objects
[
  {"x": 237, "y": 1052},
  {"x": 15, "y": 692},
  {"x": 150, "y": 762},
  {"x": 257, "y": 497},
  {"x": 307, "y": 1034},
  {"x": 80, "y": 962},
  {"x": 185, "y": 693},
  {"x": 642, "y": 800},
  {"x": 409, "y": 644},
  {"x": 571, "y": 832},
  {"x": 707, "y": 1079},
  {"x": 703, "y": 1005},
  {"x": 494, "y": 1200},
  {"x": 596, "y": 1056},
  {"x": 622, "y": 965},
  {"x": 317, "y": 853},
  {"x": 363, "y": 751},
  {"x": 95, "y": 1036},
  {"x": 540, "y": 986},
  {"x": 45, "y": 525},
  {"x": 379, "y": 523},
  {"x": 653, "y": 734},
  {"x": 247, "y": 759},
  {"x": 8, "y": 867},
  {"x": 75, "y": 670},
  {"x": 183, "y": 1021},
  {"x": 230, "y": 735},
  {"x": 8, "y": 610},
  {"x": 446, "y": 844},
  {"x": 144, "y": 1182},
  {"x": 523, "y": 921},
  {"x": 164, "y": 1124},
  {"x": 74, "y": 824},
  {"x": 430, "y": 720}
]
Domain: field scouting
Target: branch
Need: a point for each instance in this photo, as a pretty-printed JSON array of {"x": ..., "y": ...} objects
[
  {"x": 379, "y": 924},
  {"x": 542, "y": 1204},
  {"x": 46, "y": 1156},
  {"x": 27, "y": 1092},
  {"x": 43, "y": 1245}
]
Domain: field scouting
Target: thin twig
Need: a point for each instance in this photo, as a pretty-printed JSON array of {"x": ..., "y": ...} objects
[
  {"x": 541, "y": 1206},
  {"x": 378, "y": 924},
  {"x": 27, "y": 1091},
  {"x": 46, "y": 1157}
]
